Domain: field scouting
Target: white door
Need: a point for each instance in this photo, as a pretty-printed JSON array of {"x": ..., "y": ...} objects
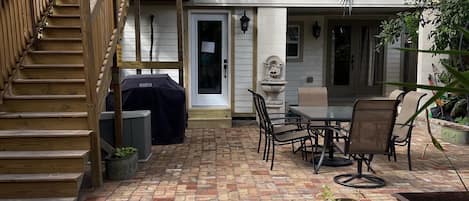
[{"x": 209, "y": 59}]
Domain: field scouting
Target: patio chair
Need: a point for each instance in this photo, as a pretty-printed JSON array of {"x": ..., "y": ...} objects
[
  {"x": 370, "y": 133},
  {"x": 397, "y": 94},
  {"x": 276, "y": 133},
  {"x": 313, "y": 96},
  {"x": 278, "y": 128},
  {"x": 402, "y": 134}
]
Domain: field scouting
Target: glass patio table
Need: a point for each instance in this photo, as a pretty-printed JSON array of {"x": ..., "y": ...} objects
[{"x": 326, "y": 114}]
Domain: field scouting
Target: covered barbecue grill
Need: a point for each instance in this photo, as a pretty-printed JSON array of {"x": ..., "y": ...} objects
[{"x": 163, "y": 97}]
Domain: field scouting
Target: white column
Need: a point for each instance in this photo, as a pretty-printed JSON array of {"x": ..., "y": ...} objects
[{"x": 271, "y": 40}]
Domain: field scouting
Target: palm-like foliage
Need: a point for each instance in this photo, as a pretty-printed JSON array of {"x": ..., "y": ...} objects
[{"x": 460, "y": 84}]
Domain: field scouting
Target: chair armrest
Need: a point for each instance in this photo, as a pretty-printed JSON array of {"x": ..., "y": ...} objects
[{"x": 402, "y": 125}]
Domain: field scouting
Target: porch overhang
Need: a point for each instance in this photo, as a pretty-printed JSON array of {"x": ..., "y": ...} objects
[{"x": 340, "y": 11}]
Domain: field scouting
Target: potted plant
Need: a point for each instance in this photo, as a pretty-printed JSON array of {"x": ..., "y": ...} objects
[{"x": 122, "y": 164}]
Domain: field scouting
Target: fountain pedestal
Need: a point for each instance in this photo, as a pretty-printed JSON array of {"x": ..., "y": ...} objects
[{"x": 272, "y": 89}]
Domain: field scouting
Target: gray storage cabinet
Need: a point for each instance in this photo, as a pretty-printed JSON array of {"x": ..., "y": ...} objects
[{"x": 136, "y": 130}]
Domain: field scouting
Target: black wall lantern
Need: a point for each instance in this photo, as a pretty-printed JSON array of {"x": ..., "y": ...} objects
[
  {"x": 316, "y": 30},
  {"x": 244, "y": 22}
]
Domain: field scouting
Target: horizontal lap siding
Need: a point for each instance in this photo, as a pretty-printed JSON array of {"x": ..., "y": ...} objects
[
  {"x": 164, "y": 33},
  {"x": 393, "y": 66},
  {"x": 243, "y": 63},
  {"x": 312, "y": 63}
]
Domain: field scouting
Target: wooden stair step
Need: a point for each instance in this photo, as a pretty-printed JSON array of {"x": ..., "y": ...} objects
[
  {"x": 55, "y": 31},
  {"x": 42, "y": 199},
  {"x": 42, "y": 133},
  {"x": 48, "y": 86},
  {"x": 56, "y": 52},
  {"x": 52, "y": 65},
  {"x": 40, "y": 185},
  {"x": 44, "y": 103},
  {"x": 59, "y": 44},
  {"x": 63, "y": 20},
  {"x": 20, "y": 178},
  {"x": 40, "y": 81},
  {"x": 34, "y": 140},
  {"x": 66, "y": 9},
  {"x": 43, "y": 97},
  {"x": 32, "y": 162},
  {"x": 43, "y": 120},
  {"x": 42, "y": 154},
  {"x": 54, "y": 57},
  {"x": 67, "y": 2},
  {"x": 64, "y": 16}
]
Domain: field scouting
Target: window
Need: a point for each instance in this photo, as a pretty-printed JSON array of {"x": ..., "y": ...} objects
[{"x": 294, "y": 42}]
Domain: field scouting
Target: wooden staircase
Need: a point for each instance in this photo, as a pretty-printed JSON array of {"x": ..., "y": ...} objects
[{"x": 44, "y": 129}]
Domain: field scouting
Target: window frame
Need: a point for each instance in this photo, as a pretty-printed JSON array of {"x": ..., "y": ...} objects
[{"x": 299, "y": 42}]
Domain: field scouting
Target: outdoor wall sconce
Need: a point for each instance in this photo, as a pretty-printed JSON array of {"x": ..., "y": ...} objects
[
  {"x": 316, "y": 30},
  {"x": 244, "y": 22}
]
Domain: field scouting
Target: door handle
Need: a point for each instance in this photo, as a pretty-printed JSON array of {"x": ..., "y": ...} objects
[{"x": 225, "y": 68}]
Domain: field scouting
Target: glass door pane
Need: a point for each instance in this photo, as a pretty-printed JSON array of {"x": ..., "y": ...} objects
[
  {"x": 342, "y": 46},
  {"x": 209, "y": 57}
]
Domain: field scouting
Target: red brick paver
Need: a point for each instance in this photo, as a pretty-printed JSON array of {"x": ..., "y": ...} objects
[{"x": 223, "y": 164}]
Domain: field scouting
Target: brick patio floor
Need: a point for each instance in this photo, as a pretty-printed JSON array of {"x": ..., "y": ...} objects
[{"x": 223, "y": 164}]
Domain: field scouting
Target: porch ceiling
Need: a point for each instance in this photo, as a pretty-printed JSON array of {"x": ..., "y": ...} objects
[{"x": 340, "y": 10}]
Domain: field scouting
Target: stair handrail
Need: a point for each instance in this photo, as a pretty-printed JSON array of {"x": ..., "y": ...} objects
[
  {"x": 101, "y": 23},
  {"x": 20, "y": 24}
]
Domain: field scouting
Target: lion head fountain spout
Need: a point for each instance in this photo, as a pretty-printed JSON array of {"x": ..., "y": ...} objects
[{"x": 273, "y": 84}]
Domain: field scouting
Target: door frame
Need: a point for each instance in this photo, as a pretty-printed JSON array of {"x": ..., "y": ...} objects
[
  {"x": 191, "y": 43},
  {"x": 354, "y": 22}
]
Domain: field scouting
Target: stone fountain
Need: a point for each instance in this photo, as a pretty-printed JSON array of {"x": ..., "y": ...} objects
[{"x": 273, "y": 84}]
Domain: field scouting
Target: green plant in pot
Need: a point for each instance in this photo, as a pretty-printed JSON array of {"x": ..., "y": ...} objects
[{"x": 122, "y": 164}]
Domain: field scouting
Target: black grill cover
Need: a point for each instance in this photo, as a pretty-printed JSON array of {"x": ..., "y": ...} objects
[{"x": 163, "y": 97}]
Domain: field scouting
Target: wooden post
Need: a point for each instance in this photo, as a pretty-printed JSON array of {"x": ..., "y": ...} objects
[
  {"x": 138, "y": 49},
  {"x": 90, "y": 85},
  {"x": 179, "y": 12},
  {"x": 116, "y": 87}
]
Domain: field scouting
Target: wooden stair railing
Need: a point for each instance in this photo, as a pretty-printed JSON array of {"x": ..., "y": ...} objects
[
  {"x": 55, "y": 70},
  {"x": 19, "y": 20},
  {"x": 101, "y": 23}
]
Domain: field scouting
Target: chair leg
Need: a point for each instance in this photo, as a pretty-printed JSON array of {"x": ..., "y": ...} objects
[
  {"x": 260, "y": 139},
  {"x": 266, "y": 141},
  {"x": 273, "y": 156},
  {"x": 268, "y": 151},
  {"x": 293, "y": 147},
  {"x": 394, "y": 152},
  {"x": 408, "y": 156}
]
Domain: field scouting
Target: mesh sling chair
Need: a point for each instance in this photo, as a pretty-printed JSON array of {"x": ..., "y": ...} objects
[
  {"x": 396, "y": 95},
  {"x": 370, "y": 133},
  {"x": 275, "y": 133},
  {"x": 313, "y": 96},
  {"x": 402, "y": 133},
  {"x": 279, "y": 128}
]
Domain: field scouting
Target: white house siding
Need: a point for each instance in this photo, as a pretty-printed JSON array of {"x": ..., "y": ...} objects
[
  {"x": 165, "y": 37},
  {"x": 312, "y": 64},
  {"x": 271, "y": 40},
  {"x": 164, "y": 30},
  {"x": 243, "y": 62},
  {"x": 392, "y": 66},
  {"x": 426, "y": 60},
  {"x": 299, "y": 3}
]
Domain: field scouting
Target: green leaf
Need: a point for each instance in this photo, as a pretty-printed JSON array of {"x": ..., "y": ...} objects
[
  {"x": 460, "y": 77},
  {"x": 437, "y": 144},
  {"x": 465, "y": 32}
]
